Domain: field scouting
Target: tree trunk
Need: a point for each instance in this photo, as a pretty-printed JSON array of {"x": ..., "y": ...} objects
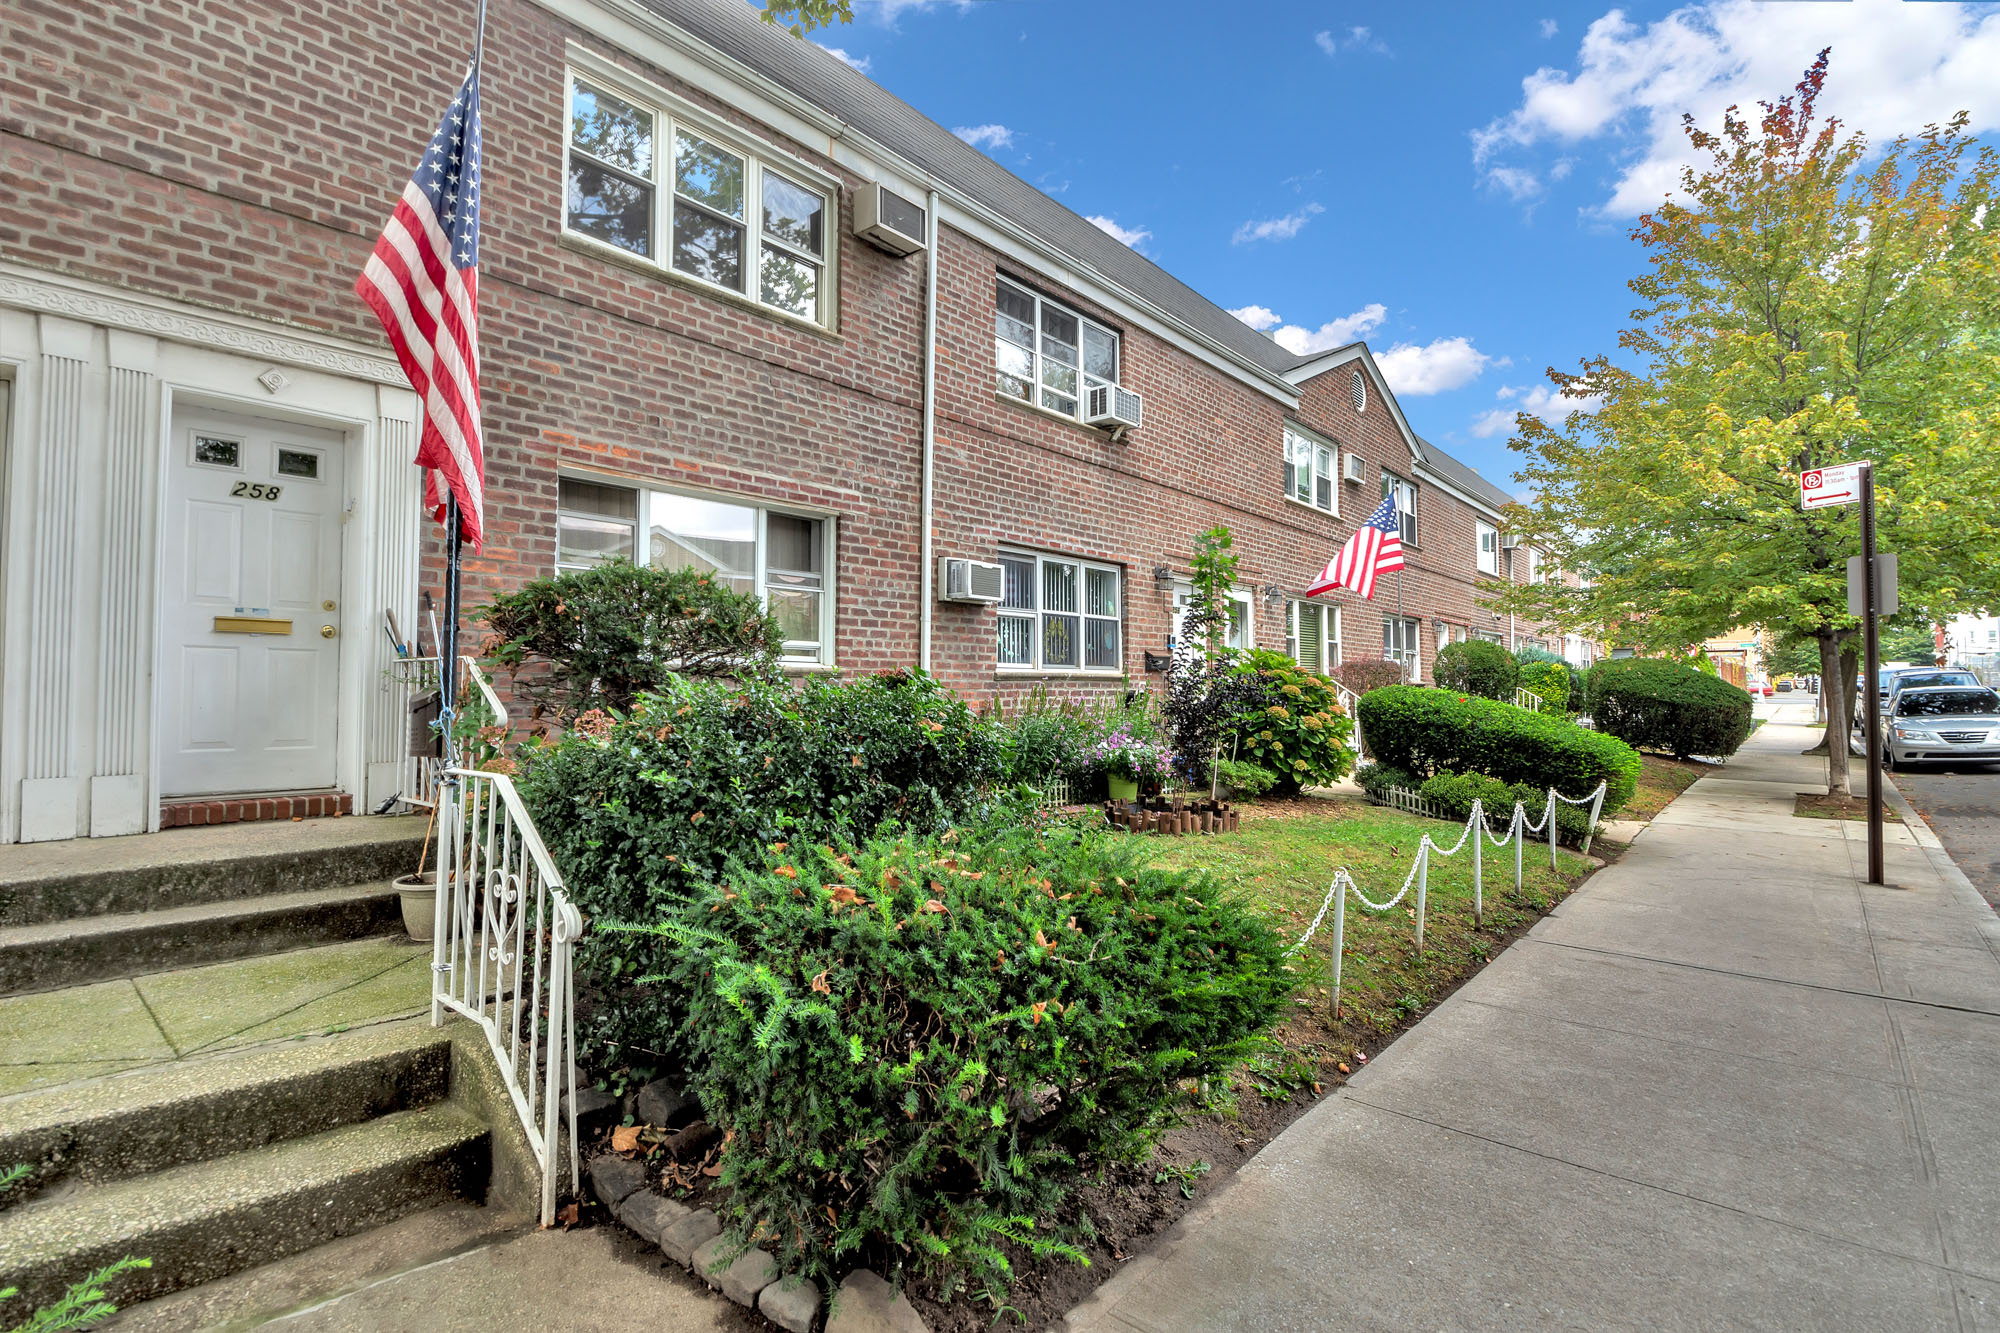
[{"x": 1839, "y": 698}]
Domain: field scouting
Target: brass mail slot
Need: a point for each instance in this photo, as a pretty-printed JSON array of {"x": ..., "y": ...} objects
[{"x": 252, "y": 625}]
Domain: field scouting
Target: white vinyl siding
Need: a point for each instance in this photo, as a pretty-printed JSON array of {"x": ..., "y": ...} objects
[
  {"x": 1312, "y": 471},
  {"x": 1047, "y": 354},
  {"x": 785, "y": 560},
  {"x": 695, "y": 203},
  {"x": 1059, "y": 614}
]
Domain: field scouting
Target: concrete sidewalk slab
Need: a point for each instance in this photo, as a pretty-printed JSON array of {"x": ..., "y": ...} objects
[{"x": 1724, "y": 1085}]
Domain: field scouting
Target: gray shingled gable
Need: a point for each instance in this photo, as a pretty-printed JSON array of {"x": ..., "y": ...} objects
[{"x": 732, "y": 27}]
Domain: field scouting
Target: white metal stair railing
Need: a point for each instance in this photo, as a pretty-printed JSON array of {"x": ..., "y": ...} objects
[
  {"x": 418, "y": 675},
  {"x": 1528, "y": 699},
  {"x": 1350, "y": 701},
  {"x": 1478, "y": 834},
  {"x": 502, "y": 954}
]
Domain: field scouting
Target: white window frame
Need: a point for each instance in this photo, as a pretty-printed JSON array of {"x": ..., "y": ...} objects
[
  {"x": 1085, "y": 381},
  {"x": 1486, "y": 539},
  {"x": 1084, "y": 568},
  {"x": 1405, "y": 492},
  {"x": 1412, "y": 656},
  {"x": 820, "y": 655},
  {"x": 1320, "y": 472},
  {"x": 671, "y": 115},
  {"x": 1329, "y": 634},
  {"x": 1530, "y": 560},
  {"x": 1238, "y": 597}
]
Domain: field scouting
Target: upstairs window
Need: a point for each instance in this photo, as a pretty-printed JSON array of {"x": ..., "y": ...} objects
[
  {"x": 1048, "y": 354},
  {"x": 1489, "y": 546},
  {"x": 1058, "y": 614},
  {"x": 1530, "y": 564},
  {"x": 1310, "y": 477},
  {"x": 1406, "y": 504},
  {"x": 707, "y": 212}
]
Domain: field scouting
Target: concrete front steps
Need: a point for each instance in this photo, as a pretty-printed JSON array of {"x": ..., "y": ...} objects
[
  {"x": 216, "y": 1166},
  {"x": 97, "y": 909}
]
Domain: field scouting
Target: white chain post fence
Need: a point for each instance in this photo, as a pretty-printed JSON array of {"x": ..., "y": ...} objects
[
  {"x": 502, "y": 951},
  {"x": 1519, "y": 826}
]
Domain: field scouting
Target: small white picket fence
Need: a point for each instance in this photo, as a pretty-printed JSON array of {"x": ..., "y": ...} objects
[{"x": 1477, "y": 832}]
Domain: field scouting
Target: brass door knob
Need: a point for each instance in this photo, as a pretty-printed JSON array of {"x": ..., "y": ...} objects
[{"x": 327, "y": 631}]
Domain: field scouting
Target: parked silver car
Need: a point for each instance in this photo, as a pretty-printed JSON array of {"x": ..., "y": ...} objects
[{"x": 1943, "y": 723}]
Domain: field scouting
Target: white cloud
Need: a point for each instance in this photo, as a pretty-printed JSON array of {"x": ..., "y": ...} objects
[
  {"x": 1272, "y": 229},
  {"x": 1354, "y": 39},
  {"x": 859, "y": 63},
  {"x": 1519, "y": 183},
  {"x": 1132, "y": 236},
  {"x": 1443, "y": 363},
  {"x": 988, "y": 137},
  {"x": 1895, "y": 68},
  {"x": 1326, "y": 42},
  {"x": 1548, "y": 29},
  {"x": 888, "y": 11},
  {"x": 1334, "y": 333},
  {"x": 1537, "y": 400},
  {"x": 1258, "y": 317}
]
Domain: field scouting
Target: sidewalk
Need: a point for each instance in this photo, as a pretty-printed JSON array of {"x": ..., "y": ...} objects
[{"x": 1725, "y": 1085}]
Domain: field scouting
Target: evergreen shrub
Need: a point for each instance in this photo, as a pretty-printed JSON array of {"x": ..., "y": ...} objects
[
  {"x": 1296, "y": 727},
  {"x": 1549, "y": 682},
  {"x": 1452, "y": 795},
  {"x": 644, "y": 811},
  {"x": 1476, "y": 666},
  {"x": 1671, "y": 707},
  {"x": 1426, "y": 731},
  {"x": 1376, "y": 779},
  {"x": 920, "y": 1045}
]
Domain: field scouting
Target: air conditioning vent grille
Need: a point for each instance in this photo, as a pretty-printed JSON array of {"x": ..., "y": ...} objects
[{"x": 1113, "y": 405}]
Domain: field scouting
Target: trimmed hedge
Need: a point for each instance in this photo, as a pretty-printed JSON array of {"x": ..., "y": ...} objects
[
  {"x": 921, "y": 1048},
  {"x": 1476, "y": 666},
  {"x": 1452, "y": 795},
  {"x": 1428, "y": 731},
  {"x": 1671, "y": 707},
  {"x": 1549, "y": 682}
]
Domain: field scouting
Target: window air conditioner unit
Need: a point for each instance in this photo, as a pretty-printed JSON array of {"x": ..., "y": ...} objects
[
  {"x": 1350, "y": 468},
  {"x": 1113, "y": 405},
  {"x": 1509, "y": 542},
  {"x": 978, "y": 581},
  {"x": 888, "y": 221}
]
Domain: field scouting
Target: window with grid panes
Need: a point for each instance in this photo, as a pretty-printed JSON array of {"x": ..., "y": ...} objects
[
  {"x": 641, "y": 180},
  {"x": 1405, "y": 492},
  {"x": 1310, "y": 476},
  {"x": 782, "y": 559},
  {"x": 1046, "y": 353},
  {"x": 1058, "y": 614}
]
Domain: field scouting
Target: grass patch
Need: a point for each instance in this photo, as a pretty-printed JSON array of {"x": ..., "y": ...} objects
[
  {"x": 1284, "y": 866},
  {"x": 1660, "y": 780},
  {"x": 1821, "y": 805}
]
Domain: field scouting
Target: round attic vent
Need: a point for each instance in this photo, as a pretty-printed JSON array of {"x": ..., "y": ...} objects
[{"x": 1358, "y": 386}]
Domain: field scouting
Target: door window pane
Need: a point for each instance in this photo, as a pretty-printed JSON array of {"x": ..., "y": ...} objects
[
  {"x": 708, "y": 175},
  {"x": 706, "y": 535},
  {"x": 792, "y": 213},
  {"x": 707, "y": 246}
]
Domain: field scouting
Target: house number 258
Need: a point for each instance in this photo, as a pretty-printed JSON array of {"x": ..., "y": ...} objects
[{"x": 255, "y": 490}]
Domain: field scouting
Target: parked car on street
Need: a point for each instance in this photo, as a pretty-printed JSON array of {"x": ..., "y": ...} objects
[
  {"x": 1940, "y": 723},
  {"x": 1886, "y": 684}
]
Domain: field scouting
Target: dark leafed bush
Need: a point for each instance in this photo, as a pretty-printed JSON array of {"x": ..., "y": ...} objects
[
  {"x": 1370, "y": 673},
  {"x": 644, "y": 811},
  {"x": 601, "y": 637},
  {"x": 1376, "y": 779},
  {"x": 1476, "y": 666},
  {"x": 1295, "y": 726},
  {"x": 1429, "y": 731},
  {"x": 922, "y": 1046},
  {"x": 1668, "y": 706}
]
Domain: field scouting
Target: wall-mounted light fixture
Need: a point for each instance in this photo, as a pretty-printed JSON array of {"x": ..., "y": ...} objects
[
  {"x": 1163, "y": 578},
  {"x": 1274, "y": 596}
]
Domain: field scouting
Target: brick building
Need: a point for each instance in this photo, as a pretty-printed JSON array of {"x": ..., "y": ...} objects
[{"x": 690, "y": 354}]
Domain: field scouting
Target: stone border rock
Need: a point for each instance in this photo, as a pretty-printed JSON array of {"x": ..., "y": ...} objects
[{"x": 693, "y": 1239}]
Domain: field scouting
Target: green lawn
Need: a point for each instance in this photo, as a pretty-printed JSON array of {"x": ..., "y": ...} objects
[{"x": 1285, "y": 864}]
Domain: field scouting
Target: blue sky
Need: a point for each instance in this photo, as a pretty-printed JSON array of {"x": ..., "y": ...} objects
[{"x": 1454, "y": 182}]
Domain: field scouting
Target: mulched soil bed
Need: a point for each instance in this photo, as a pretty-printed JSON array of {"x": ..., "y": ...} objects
[{"x": 1132, "y": 1205}]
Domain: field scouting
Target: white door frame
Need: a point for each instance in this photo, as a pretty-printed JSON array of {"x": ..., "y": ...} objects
[{"x": 357, "y": 616}]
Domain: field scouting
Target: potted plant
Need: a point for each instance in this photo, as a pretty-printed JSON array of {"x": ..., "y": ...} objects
[{"x": 1127, "y": 760}]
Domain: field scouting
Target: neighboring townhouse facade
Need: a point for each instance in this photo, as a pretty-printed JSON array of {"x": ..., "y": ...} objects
[{"x": 691, "y": 354}]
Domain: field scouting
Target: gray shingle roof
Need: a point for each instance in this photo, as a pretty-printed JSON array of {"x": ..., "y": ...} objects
[
  {"x": 1463, "y": 477},
  {"x": 732, "y": 27}
]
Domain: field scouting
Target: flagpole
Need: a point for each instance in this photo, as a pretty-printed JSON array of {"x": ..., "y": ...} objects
[{"x": 453, "y": 542}]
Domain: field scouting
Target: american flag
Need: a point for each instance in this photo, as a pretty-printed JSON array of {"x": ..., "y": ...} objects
[
  {"x": 1375, "y": 547},
  {"x": 423, "y": 284}
]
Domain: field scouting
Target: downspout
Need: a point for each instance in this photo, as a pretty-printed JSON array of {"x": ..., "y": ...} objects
[{"x": 930, "y": 426}]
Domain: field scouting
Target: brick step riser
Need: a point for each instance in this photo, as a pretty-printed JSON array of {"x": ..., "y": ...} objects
[
  {"x": 227, "y": 1118},
  {"x": 203, "y": 1249},
  {"x": 149, "y": 888},
  {"x": 76, "y": 960}
]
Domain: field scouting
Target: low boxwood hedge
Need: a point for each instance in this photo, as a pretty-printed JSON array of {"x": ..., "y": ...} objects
[
  {"x": 1671, "y": 707},
  {"x": 1452, "y": 795},
  {"x": 1427, "y": 731}
]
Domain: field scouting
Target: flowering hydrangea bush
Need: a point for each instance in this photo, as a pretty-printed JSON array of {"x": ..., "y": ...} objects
[
  {"x": 1124, "y": 755},
  {"x": 1298, "y": 729}
]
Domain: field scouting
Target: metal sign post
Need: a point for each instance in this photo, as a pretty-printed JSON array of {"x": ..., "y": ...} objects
[{"x": 1871, "y": 682}]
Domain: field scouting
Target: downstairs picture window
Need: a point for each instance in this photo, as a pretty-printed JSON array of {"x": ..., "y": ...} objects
[
  {"x": 782, "y": 559},
  {"x": 1059, "y": 614}
]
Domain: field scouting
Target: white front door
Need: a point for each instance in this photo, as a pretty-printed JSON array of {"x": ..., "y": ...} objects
[{"x": 250, "y": 614}]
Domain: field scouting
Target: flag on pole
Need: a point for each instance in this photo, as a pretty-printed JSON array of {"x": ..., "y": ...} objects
[
  {"x": 423, "y": 284},
  {"x": 1375, "y": 547}
]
